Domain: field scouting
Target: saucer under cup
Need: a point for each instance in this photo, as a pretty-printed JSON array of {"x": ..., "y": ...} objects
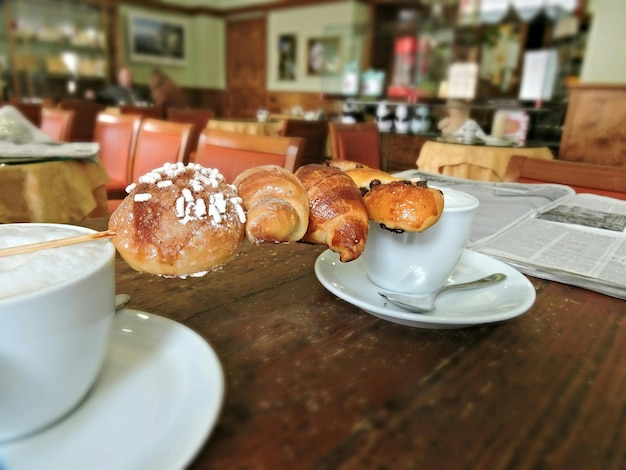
[{"x": 420, "y": 262}]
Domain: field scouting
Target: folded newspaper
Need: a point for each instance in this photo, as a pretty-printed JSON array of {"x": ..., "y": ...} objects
[
  {"x": 40, "y": 151},
  {"x": 548, "y": 231}
]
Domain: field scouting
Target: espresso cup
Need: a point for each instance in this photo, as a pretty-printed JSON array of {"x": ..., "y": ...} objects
[
  {"x": 420, "y": 262},
  {"x": 56, "y": 313}
]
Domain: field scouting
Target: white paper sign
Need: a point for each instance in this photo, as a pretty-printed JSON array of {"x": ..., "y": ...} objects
[
  {"x": 539, "y": 75},
  {"x": 462, "y": 80}
]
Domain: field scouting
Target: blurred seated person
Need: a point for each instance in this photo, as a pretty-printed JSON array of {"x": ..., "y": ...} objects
[
  {"x": 122, "y": 93},
  {"x": 164, "y": 91}
]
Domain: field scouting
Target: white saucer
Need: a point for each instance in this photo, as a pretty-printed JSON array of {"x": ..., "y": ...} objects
[
  {"x": 154, "y": 404},
  {"x": 454, "y": 309}
]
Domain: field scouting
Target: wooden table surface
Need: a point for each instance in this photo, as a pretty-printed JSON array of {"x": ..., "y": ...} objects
[{"x": 315, "y": 383}]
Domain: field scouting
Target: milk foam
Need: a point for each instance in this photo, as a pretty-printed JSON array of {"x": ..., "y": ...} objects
[
  {"x": 457, "y": 200},
  {"x": 30, "y": 272}
]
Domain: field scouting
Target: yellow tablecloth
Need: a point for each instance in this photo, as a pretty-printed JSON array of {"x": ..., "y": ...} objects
[
  {"x": 475, "y": 162},
  {"x": 270, "y": 127},
  {"x": 55, "y": 191}
]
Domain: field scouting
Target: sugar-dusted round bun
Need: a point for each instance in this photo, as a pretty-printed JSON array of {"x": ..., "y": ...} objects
[
  {"x": 179, "y": 221},
  {"x": 344, "y": 165},
  {"x": 366, "y": 177},
  {"x": 404, "y": 206}
]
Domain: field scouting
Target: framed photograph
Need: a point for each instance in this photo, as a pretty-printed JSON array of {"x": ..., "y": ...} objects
[
  {"x": 157, "y": 39},
  {"x": 287, "y": 57},
  {"x": 324, "y": 56}
]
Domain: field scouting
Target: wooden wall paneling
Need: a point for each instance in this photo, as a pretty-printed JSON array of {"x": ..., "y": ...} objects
[
  {"x": 594, "y": 130},
  {"x": 245, "y": 67}
]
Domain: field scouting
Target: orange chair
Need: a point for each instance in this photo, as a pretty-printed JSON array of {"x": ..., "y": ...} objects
[
  {"x": 198, "y": 117},
  {"x": 582, "y": 177},
  {"x": 315, "y": 135},
  {"x": 358, "y": 142},
  {"x": 232, "y": 153},
  {"x": 85, "y": 115},
  {"x": 117, "y": 135},
  {"x": 57, "y": 123},
  {"x": 160, "y": 142}
]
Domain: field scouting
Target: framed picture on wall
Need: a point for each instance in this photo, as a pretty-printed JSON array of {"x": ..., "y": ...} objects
[
  {"x": 287, "y": 57},
  {"x": 324, "y": 56},
  {"x": 157, "y": 39}
]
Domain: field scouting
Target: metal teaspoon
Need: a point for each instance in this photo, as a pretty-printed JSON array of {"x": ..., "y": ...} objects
[{"x": 426, "y": 303}]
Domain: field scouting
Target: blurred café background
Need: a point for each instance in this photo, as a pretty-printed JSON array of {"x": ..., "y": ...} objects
[{"x": 557, "y": 63}]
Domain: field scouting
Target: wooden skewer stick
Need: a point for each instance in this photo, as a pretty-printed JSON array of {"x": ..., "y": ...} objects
[{"x": 18, "y": 250}]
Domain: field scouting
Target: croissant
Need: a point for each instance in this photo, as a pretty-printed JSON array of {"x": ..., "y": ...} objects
[
  {"x": 276, "y": 204},
  {"x": 338, "y": 216}
]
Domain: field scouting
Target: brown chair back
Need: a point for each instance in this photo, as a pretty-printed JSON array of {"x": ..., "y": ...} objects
[
  {"x": 117, "y": 136},
  {"x": 198, "y": 117},
  {"x": 153, "y": 112},
  {"x": 358, "y": 142},
  {"x": 582, "y": 177},
  {"x": 57, "y": 123},
  {"x": 160, "y": 142},
  {"x": 232, "y": 153},
  {"x": 31, "y": 111},
  {"x": 315, "y": 135},
  {"x": 85, "y": 114}
]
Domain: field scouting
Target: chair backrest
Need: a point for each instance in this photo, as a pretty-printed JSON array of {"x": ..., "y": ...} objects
[
  {"x": 154, "y": 112},
  {"x": 582, "y": 177},
  {"x": 31, "y": 111},
  {"x": 358, "y": 142},
  {"x": 315, "y": 135},
  {"x": 160, "y": 142},
  {"x": 117, "y": 135},
  {"x": 232, "y": 153},
  {"x": 198, "y": 117},
  {"x": 57, "y": 123},
  {"x": 85, "y": 114}
]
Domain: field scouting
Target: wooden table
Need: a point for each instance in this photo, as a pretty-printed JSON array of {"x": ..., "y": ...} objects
[
  {"x": 477, "y": 162},
  {"x": 313, "y": 382},
  {"x": 57, "y": 191}
]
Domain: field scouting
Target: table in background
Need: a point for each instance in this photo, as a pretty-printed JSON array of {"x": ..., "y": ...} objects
[
  {"x": 476, "y": 162},
  {"x": 241, "y": 126},
  {"x": 314, "y": 382},
  {"x": 56, "y": 191}
]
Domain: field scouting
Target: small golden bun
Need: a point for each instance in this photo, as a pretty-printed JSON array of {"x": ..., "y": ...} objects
[
  {"x": 179, "y": 221},
  {"x": 344, "y": 165},
  {"x": 404, "y": 206},
  {"x": 366, "y": 177}
]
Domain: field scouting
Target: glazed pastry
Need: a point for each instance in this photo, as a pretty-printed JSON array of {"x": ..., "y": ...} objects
[
  {"x": 276, "y": 204},
  {"x": 338, "y": 216},
  {"x": 366, "y": 177},
  {"x": 179, "y": 221},
  {"x": 404, "y": 205}
]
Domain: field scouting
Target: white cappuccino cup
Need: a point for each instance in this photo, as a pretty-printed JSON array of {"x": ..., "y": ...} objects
[
  {"x": 420, "y": 262},
  {"x": 56, "y": 312}
]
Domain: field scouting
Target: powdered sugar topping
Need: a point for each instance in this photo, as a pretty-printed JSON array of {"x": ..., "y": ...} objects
[{"x": 192, "y": 204}]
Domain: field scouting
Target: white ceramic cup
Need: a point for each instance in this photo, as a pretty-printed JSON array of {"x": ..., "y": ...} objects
[
  {"x": 262, "y": 115},
  {"x": 56, "y": 312},
  {"x": 420, "y": 262}
]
